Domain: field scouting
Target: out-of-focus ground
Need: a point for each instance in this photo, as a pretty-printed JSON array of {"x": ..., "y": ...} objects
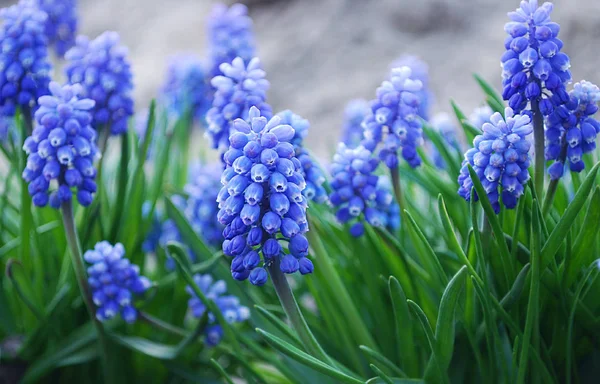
[{"x": 319, "y": 54}]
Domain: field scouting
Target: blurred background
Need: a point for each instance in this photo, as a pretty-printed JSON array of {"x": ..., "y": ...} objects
[{"x": 319, "y": 54}]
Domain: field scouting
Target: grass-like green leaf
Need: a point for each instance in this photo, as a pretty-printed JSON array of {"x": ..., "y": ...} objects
[
  {"x": 188, "y": 234},
  {"x": 404, "y": 328}
]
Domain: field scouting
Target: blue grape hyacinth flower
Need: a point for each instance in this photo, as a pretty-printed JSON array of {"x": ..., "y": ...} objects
[
  {"x": 445, "y": 126},
  {"x": 24, "y": 63},
  {"x": 187, "y": 87},
  {"x": 261, "y": 202},
  {"x": 356, "y": 191},
  {"x": 500, "y": 158},
  {"x": 239, "y": 87},
  {"x": 533, "y": 67},
  {"x": 201, "y": 206},
  {"x": 61, "y": 150},
  {"x": 354, "y": 114},
  {"x": 61, "y": 25},
  {"x": 420, "y": 71},
  {"x": 230, "y": 35},
  {"x": 571, "y": 129},
  {"x": 114, "y": 282},
  {"x": 394, "y": 124},
  {"x": 102, "y": 68},
  {"x": 229, "y": 306},
  {"x": 314, "y": 191},
  {"x": 480, "y": 116}
]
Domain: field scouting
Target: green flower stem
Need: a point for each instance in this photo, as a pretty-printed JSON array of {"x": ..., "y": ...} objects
[
  {"x": 290, "y": 306},
  {"x": 538, "y": 137},
  {"x": 80, "y": 273},
  {"x": 549, "y": 198},
  {"x": 395, "y": 173}
]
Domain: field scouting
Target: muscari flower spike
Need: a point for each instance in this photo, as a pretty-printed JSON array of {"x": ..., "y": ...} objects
[
  {"x": 102, "y": 68},
  {"x": 61, "y": 25},
  {"x": 239, "y": 87},
  {"x": 114, "y": 281},
  {"x": 395, "y": 122},
  {"x": 228, "y": 305},
  {"x": 261, "y": 202},
  {"x": 314, "y": 191},
  {"x": 500, "y": 158},
  {"x": 230, "y": 35},
  {"x": 186, "y": 87},
  {"x": 445, "y": 126},
  {"x": 480, "y": 116},
  {"x": 357, "y": 191},
  {"x": 61, "y": 150},
  {"x": 201, "y": 205},
  {"x": 354, "y": 114},
  {"x": 571, "y": 129},
  {"x": 24, "y": 64},
  {"x": 533, "y": 67},
  {"x": 420, "y": 71}
]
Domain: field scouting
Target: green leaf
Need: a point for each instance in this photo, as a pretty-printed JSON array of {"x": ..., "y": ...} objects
[
  {"x": 85, "y": 355},
  {"x": 145, "y": 346},
  {"x": 384, "y": 361},
  {"x": 534, "y": 291},
  {"x": 444, "y": 331},
  {"x": 220, "y": 369},
  {"x": 404, "y": 331},
  {"x": 568, "y": 219},
  {"x": 488, "y": 89},
  {"x": 306, "y": 359},
  {"x": 450, "y": 157},
  {"x": 382, "y": 375},
  {"x": 585, "y": 241},
  {"x": 435, "y": 352},
  {"x": 279, "y": 324},
  {"x": 378, "y": 380},
  {"x": 188, "y": 234},
  {"x": 470, "y": 130}
]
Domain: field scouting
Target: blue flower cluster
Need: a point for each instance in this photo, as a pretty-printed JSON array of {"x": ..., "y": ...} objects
[
  {"x": 61, "y": 25},
  {"x": 420, "y": 71},
  {"x": 500, "y": 158},
  {"x": 354, "y": 114},
  {"x": 24, "y": 65},
  {"x": 102, "y": 68},
  {"x": 356, "y": 191},
  {"x": 444, "y": 125},
  {"x": 240, "y": 87},
  {"x": 533, "y": 68},
  {"x": 395, "y": 122},
  {"x": 62, "y": 148},
  {"x": 314, "y": 191},
  {"x": 186, "y": 87},
  {"x": 201, "y": 205},
  {"x": 261, "y": 202},
  {"x": 571, "y": 129},
  {"x": 114, "y": 281},
  {"x": 480, "y": 116},
  {"x": 230, "y": 35},
  {"x": 229, "y": 306}
]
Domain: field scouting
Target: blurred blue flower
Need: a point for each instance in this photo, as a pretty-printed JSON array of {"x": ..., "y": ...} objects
[
  {"x": 187, "y": 87},
  {"x": 420, "y": 71},
  {"x": 239, "y": 88},
  {"x": 261, "y": 202},
  {"x": 61, "y": 25},
  {"x": 571, "y": 129},
  {"x": 24, "y": 64},
  {"x": 533, "y": 68},
  {"x": 102, "y": 68},
  {"x": 229, "y": 306},
  {"x": 230, "y": 35},
  {"x": 500, "y": 158},
  {"x": 354, "y": 114},
  {"x": 114, "y": 281},
  {"x": 313, "y": 175},
  {"x": 395, "y": 124},
  {"x": 61, "y": 149},
  {"x": 443, "y": 124},
  {"x": 357, "y": 193},
  {"x": 480, "y": 115}
]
